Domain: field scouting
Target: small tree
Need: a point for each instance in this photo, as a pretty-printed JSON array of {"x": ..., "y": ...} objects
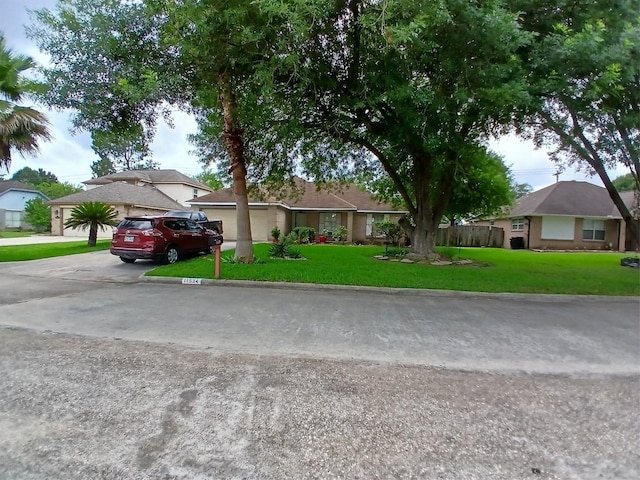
[
  {"x": 393, "y": 231},
  {"x": 38, "y": 214},
  {"x": 340, "y": 234},
  {"x": 92, "y": 215}
]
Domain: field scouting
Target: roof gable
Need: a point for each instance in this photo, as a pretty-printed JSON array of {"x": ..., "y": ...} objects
[
  {"x": 305, "y": 196},
  {"x": 149, "y": 176},
  {"x": 578, "y": 199},
  {"x": 122, "y": 193},
  {"x": 7, "y": 185}
]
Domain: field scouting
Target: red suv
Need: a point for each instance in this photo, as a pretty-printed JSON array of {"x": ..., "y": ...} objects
[{"x": 160, "y": 238}]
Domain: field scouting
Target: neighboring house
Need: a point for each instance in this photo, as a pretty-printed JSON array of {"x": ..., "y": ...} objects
[
  {"x": 304, "y": 207},
  {"x": 565, "y": 216},
  {"x": 133, "y": 192},
  {"x": 125, "y": 198},
  {"x": 172, "y": 183},
  {"x": 13, "y": 197}
]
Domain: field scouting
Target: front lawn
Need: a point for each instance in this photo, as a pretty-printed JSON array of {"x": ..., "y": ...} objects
[
  {"x": 493, "y": 270},
  {"x": 16, "y": 233},
  {"x": 19, "y": 253}
]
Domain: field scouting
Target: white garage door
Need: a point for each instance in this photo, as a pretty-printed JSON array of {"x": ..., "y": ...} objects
[{"x": 259, "y": 226}]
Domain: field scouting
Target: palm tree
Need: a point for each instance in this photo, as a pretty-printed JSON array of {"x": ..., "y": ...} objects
[
  {"x": 92, "y": 215},
  {"x": 20, "y": 127}
]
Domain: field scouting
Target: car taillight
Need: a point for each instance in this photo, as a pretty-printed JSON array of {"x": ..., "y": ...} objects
[{"x": 151, "y": 233}]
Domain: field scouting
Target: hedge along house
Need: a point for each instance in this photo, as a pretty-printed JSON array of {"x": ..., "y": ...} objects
[
  {"x": 125, "y": 198},
  {"x": 567, "y": 215},
  {"x": 304, "y": 206}
]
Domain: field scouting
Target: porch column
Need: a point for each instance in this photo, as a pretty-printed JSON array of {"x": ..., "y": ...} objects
[
  {"x": 349, "y": 227},
  {"x": 622, "y": 238}
]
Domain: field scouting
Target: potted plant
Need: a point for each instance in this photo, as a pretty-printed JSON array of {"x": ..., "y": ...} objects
[
  {"x": 275, "y": 234},
  {"x": 322, "y": 238}
]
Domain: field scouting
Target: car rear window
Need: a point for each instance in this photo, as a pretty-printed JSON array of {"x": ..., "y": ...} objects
[
  {"x": 176, "y": 213},
  {"x": 136, "y": 224}
]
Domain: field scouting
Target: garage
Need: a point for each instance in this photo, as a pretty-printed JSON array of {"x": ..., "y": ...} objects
[{"x": 258, "y": 217}]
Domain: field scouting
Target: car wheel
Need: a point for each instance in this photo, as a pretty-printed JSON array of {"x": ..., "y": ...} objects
[
  {"x": 171, "y": 255},
  {"x": 127, "y": 260}
]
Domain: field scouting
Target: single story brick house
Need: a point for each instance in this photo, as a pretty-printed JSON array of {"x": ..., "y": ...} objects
[
  {"x": 567, "y": 215},
  {"x": 303, "y": 206}
]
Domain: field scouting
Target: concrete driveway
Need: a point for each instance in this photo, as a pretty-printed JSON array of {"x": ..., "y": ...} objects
[{"x": 103, "y": 379}]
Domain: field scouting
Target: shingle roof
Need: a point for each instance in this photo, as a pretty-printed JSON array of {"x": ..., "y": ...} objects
[
  {"x": 16, "y": 185},
  {"x": 149, "y": 176},
  {"x": 305, "y": 196},
  {"x": 580, "y": 199},
  {"x": 122, "y": 193}
]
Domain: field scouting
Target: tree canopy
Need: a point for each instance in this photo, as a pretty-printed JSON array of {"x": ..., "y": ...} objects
[
  {"x": 417, "y": 85},
  {"x": 34, "y": 177},
  {"x": 584, "y": 79},
  {"x": 21, "y": 128},
  {"x": 625, "y": 183}
]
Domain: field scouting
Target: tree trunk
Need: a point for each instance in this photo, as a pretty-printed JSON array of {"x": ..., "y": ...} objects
[
  {"x": 432, "y": 193},
  {"x": 423, "y": 237},
  {"x": 233, "y": 139},
  {"x": 93, "y": 235}
]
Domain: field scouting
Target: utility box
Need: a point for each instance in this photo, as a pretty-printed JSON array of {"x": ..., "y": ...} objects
[{"x": 517, "y": 243}]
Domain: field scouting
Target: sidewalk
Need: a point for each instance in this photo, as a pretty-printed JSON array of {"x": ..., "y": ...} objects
[{"x": 36, "y": 239}]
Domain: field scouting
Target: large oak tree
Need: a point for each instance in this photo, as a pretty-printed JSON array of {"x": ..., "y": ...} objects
[{"x": 416, "y": 84}]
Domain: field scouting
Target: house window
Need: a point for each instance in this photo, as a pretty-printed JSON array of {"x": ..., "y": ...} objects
[
  {"x": 372, "y": 218},
  {"x": 592, "y": 229},
  {"x": 12, "y": 219},
  {"x": 329, "y": 221},
  {"x": 517, "y": 224},
  {"x": 195, "y": 192}
]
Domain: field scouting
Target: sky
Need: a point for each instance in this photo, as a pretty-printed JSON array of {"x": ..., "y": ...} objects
[{"x": 69, "y": 156}]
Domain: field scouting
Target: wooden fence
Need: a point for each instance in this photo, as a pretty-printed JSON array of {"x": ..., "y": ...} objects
[{"x": 470, "y": 236}]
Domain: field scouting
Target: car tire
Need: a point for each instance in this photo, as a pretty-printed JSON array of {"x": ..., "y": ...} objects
[
  {"x": 127, "y": 260},
  {"x": 172, "y": 255}
]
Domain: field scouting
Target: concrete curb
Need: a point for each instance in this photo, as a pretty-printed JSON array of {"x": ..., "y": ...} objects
[{"x": 545, "y": 298}]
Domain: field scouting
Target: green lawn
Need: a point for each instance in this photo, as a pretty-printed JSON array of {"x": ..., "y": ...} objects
[
  {"x": 18, "y": 253},
  {"x": 494, "y": 270},
  {"x": 16, "y": 234}
]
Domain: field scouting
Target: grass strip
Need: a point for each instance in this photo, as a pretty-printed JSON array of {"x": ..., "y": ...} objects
[
  {"x": 16, "y": 234},
  {"x": 19, "y": 253},
  {"x": 492, "y": 270}
]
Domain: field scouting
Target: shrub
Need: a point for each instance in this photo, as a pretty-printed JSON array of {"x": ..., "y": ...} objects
[
  {"x": 275, "y": 233},
  {"x": 340, "y": 234},
  {"x": 38, "y": 214},
  {"x": 304, "y": 234},
  {"x": 280, "y": 249},
  {"x": 392, "y": 231}
]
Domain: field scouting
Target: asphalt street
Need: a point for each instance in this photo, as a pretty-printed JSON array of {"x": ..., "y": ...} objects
[{"x": 103, "y": 376}]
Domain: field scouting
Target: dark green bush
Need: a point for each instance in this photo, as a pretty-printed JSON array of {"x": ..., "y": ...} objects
[{"x": 304, "y": 234}]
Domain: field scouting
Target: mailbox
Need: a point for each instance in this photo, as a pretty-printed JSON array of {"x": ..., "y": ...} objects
[{"x": 215, "y": 240}]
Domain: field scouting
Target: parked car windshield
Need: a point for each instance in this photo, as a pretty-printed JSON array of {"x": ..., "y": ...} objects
[{"x": 136, "y": 224}]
